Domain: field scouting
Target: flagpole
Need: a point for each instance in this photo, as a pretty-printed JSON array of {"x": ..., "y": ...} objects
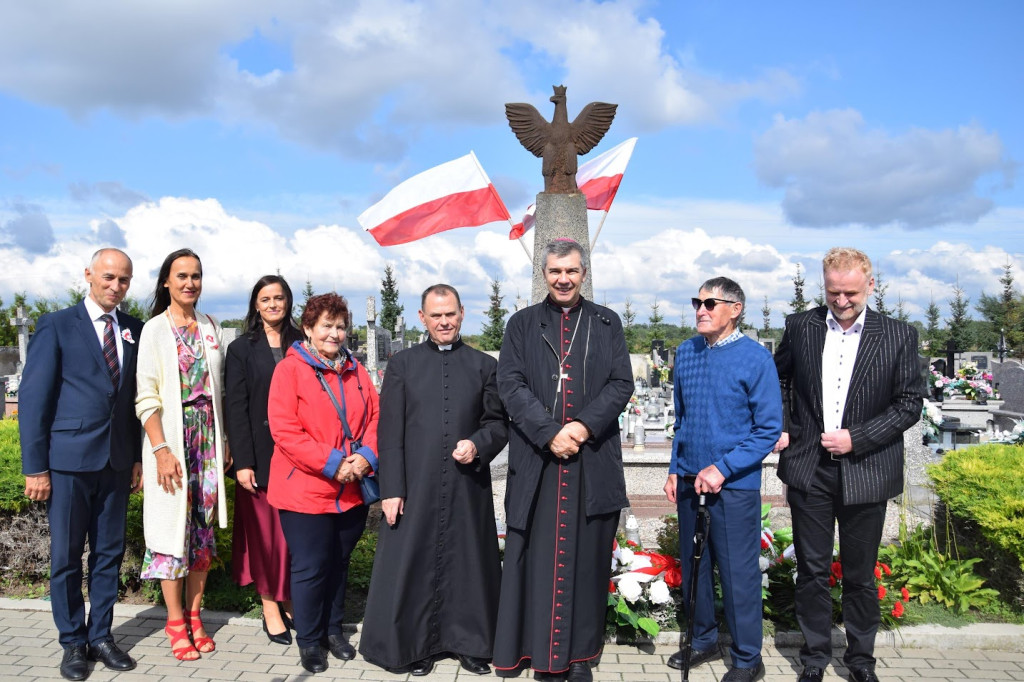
[
  {"x": 522, "y": 244},
  {"x": 598, "y": 232}
]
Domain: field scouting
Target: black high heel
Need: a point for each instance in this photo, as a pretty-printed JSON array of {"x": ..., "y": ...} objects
[{"x": 280, "y": 638}]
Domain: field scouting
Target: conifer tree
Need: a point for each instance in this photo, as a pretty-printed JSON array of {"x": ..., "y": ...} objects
[
  {"x": 389, "y": 307},
  {"x": 494, "y": 331},
  {"x": 799, "y": 303}
]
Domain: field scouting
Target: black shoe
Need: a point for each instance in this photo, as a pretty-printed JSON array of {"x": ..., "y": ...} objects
[
  {"x": 312, "y": 658},
  {"x": 74, "y": 665},
  {"x": 580, "y": 672},
  {"x": 697, "y": 656},
  {"x": 280, "y": 638},
  {"x": 745, "y": 674},
  {"x": 339, "y": 648},
  {"x": 811, "y": 673},
  {"x": 288, "y": 622},
  {"x": 421, "y": 667},
  {"x": 111, "y": 655},
  {"x": 863, "y": 675},
  {"x": 477, "y": 666},
  {"x": 548, "y": 677}
]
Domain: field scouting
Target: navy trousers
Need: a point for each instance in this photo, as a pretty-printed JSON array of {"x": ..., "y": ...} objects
[
  {"x": 815, "y": 513},
  {"x": 86, "y": 505},
  {"x": 320, "y": 546},
  {"x": 734, "y": 545}
]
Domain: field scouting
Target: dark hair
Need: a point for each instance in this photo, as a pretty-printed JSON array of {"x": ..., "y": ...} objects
[
  {"x": 562, "y": 247},
  {"x": 440, "y": 290},
  {"x": 332, "y": 305},
  {"x": 253, "y": 324},
  {"x": 162, "y": 295}
]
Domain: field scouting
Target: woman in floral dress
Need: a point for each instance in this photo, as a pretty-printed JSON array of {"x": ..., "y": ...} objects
[{"x": 184, "y": 453}]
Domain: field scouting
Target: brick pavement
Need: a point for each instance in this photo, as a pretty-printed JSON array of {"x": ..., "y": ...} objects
[{"x": 29, "y": 651}]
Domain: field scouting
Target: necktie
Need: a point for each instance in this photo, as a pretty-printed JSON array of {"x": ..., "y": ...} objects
[{"x": 110, "y": 350}]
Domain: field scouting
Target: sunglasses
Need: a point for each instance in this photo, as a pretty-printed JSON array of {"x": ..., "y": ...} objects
[{"x": 708, "y": 303}]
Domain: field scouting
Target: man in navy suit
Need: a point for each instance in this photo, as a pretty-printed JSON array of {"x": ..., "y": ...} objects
[
  {"x": 851, "y": 385},
  {"x": 80, "y": 452}
]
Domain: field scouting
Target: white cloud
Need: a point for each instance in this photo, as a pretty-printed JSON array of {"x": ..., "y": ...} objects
[
  {"x": 364, "y": 77},
  {"x": 836, "y": 171},
  {"x": 657, "y": 251}
]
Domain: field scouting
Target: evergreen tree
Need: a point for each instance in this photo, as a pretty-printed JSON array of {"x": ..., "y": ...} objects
[
  {"x": 799, "y": 303},
  {"x": 1004, "y": 312},
  {"x": 494, "y": 330},
  {"x": 766, "y": 314},
  {"x": 307, "y": 293},
  {"x": 628, "y": 328},
  {"x": 655, "y": 319},
  {"x": 389, "y": 308},
  {"x": 959, "y": 321},
  {"x": 76, "y": 294},
  {"x": 933, "y": 335},
  {"x": 880, "y": 289},
  {"x": 901, "y": 312},
  {"x": 819, "y": 300}
]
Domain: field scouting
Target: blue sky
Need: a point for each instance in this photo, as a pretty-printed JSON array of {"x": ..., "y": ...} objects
[{"x": 255, "y": 132}]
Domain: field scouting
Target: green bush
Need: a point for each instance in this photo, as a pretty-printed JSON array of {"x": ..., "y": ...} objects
[
  {"x": 981, "y": 490},
  {"x": 12, "y": 483}
]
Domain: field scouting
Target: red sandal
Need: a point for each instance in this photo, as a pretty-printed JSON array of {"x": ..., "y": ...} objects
[
  {"x": 182, "y": 653},
  {"x": 201, "y": 642}
]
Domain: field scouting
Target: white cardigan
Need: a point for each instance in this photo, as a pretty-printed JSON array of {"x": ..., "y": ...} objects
[{"x": 159, "y": 391}]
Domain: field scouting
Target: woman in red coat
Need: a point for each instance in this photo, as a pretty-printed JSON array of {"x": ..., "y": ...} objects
[{"x": 316, "y": 470}]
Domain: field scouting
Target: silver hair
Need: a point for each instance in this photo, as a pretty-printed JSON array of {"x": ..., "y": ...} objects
[{"x": 560, "y": 248}]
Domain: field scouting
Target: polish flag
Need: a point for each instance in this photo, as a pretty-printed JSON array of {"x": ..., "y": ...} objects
[
  {"x": 598, "y": 179},
  {"x": 454, "y": 194}
]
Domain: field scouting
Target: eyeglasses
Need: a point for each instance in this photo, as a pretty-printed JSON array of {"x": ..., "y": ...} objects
[{"x": 708, "y": 303}]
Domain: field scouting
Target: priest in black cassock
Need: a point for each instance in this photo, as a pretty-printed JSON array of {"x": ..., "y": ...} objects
[
  {"x": 564, "y": 377},
  {"x": 436, "y": 574}
]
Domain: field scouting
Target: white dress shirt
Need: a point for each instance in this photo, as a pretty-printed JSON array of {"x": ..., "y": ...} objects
[
  {"x": 95, "y": 313},
  {"x": 837, "y": 360}
]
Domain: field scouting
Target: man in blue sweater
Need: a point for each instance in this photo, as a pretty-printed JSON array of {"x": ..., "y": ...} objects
[{"x": 728, "y": 418}]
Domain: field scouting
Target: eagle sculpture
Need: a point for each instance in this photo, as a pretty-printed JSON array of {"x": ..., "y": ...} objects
[{"x": 560, "y": 142}]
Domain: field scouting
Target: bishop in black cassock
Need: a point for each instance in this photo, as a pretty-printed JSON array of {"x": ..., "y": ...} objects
[
  {"x": 564, "y": 377},
  {"x": 436, "y": 574}
]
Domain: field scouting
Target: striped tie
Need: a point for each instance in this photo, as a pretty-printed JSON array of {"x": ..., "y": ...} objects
[{"x": 110, "y": 350}]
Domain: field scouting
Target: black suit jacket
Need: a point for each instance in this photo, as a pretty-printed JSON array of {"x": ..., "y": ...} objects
[
  {"x": 247, "y": 373},
  {"x": 70, "y": 417},
  {"x": 883, "y": 401}
]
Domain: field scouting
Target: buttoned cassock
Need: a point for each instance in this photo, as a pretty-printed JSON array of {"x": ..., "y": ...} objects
[
  {"x": 437, "y": 572},
  {"x": 555, "y": 367}
]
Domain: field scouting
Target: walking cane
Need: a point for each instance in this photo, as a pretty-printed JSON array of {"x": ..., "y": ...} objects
[{"x": 700, "y": 539}]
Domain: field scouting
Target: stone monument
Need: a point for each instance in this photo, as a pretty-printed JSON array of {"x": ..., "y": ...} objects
[
  {"x": 561, "y": 207},
  {"x": 22, "y": 324}
]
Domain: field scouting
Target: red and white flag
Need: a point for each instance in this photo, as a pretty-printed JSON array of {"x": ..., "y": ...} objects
[
  {"x": 598, "y": 179},
  {"x": 454, "y": 194}
]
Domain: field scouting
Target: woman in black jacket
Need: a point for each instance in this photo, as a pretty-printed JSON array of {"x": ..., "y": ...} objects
[{"x": 259, "y": 551}]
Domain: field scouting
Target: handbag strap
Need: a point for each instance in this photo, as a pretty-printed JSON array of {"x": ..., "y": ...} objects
[{"x": 339, "y": 407}]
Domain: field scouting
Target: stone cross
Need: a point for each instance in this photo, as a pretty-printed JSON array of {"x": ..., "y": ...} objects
[
  {"x": 371, "y": 335},
  {"x": 22, "y": 323}
]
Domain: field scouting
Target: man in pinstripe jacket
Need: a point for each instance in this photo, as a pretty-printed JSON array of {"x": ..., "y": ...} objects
[{"x": 851, "y": 386}]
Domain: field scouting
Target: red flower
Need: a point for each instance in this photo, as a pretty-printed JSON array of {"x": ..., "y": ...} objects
[
  {"x": 881, "y": 592},
  {"x": 905, "y": 593},
  {"x": 831, "y": 581},
  {"x": 611, "y": 587},
  {"x": 837, "y": 570},
  {"x": 674, "y": 577},
  {"x": 764, "y": 543},
  {"x": 885, "y": 567},
  {"x": 878, "y": 572},
  {"x": 897, "y": 610}
]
